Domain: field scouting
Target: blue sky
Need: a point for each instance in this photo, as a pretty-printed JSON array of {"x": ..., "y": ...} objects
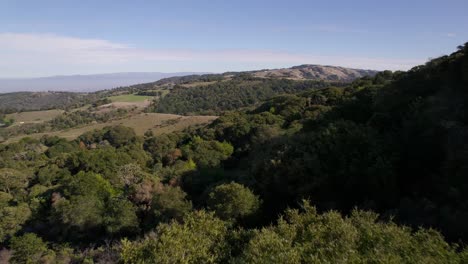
[{"x": 43, "y": 38}]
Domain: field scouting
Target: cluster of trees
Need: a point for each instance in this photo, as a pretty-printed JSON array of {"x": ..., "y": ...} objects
[
  {"x": 168, "y": 82},
  {"x": 299, "y": 236},
  {"x": 23, "y": 129},
  {"x": 150, "y": 93},
  {"x": 370, "y": 172},
  {"x": 102, "y": 101},
  {"x": 76, "y": 118},
  {"x": 4, "y": 121},
  {"x": 32, "y": 101},
  {"x": 239, "y": 92},
  {"x": 151, "y": 89}
]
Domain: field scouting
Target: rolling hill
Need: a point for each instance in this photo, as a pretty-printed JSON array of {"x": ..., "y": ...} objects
[
  {"x": 316, "y": 72},
  {"x": 301, "y": 72},
  {"x": 30, "y": 95}
]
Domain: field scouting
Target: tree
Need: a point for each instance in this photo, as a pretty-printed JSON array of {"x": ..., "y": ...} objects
[
  {"x": 309, "y": 237},
  {"x": 27, "y": 249},
  {"x": 233, "y": 201},
  {"x": 120, "y": 217},
  {"x": 130, "y": 174},
  {"x": 91, "y": 206},
  {"x": 199, "y": 239},
  {"x": 119, "y": 136},
  {"x": 207, "y": 153},
  {"x": 50, "y": 174},
  {"x": 170, "y": 203},
  {"x": 12, "y": 219},
  {"x": 160, "y": 146},
  {"x": 12, "y": 180}
]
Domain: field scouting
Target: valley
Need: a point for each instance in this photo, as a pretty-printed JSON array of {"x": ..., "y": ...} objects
[{"x": 190, "y": 100}]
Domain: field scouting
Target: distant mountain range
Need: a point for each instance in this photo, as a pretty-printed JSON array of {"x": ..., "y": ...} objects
[
  {"x": 83, "y": 83},
  {"x": 96, "y": 82}
]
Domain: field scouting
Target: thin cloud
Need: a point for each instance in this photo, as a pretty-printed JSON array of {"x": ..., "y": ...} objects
[
  {"x": 337, "y": 29},
  {"x": 451, "y": 35},
  {"x": 29, "y": 52},
  {"x": 324, "y": 28}
]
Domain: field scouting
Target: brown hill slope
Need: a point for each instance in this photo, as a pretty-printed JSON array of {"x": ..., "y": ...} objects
[{"x": 316, "y": 72}]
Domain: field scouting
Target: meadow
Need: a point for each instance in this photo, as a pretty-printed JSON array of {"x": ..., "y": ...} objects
[
  {"x": 142, "y": 122},
  {"x": 130, "y": 98},
  {"x": 35, "y": 116}
]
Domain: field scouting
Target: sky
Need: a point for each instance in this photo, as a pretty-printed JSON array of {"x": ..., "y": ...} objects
[{"x": 47, "y": 38}]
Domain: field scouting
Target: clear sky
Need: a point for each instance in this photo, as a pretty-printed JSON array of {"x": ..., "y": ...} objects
[{"x": 43, "y": 38}]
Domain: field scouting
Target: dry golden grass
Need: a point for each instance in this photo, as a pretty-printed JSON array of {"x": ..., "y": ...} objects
[
  {"x": 142, "y": 122},
  {"x": 130, "y": 98},
  {"x": 140, "y": 105},
  {"x": 35, "y": 116}
]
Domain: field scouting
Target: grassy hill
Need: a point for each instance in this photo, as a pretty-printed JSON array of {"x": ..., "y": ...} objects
[{"x": 34, "y": 116}]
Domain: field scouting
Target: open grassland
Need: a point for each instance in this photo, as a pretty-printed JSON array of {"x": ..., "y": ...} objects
[
  {"x": 158, "y": 123},
  {"x": 127, "y": 101},
  {"x": 129, "y": 98},
  {"x": 35, "y": 116}
]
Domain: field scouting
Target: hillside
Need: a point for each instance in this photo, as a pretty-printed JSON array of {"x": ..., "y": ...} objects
[
  {"x": 214, "y": 93},
  {"x": 140, "y": 122},
  {"x": 239, "y": 92},
  {"x": 316, "y": 72},
  {"x": 31, "y": 101},
  {"x": 302, "y": 72},
  {"x": 28, "y": 101}
]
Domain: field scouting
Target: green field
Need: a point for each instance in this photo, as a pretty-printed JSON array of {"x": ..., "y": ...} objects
[{"x": 130, "y": 98}]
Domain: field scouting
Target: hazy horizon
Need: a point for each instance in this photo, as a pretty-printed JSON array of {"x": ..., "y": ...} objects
[{"x": 83, "y": 83}]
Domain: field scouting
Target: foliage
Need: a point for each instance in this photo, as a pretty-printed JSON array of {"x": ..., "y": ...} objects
[
  {"x": 229, "y": 95},
  {"x": 12, "y": 218},
  {"x": 30, "y": 101},
  {"x": 393, "y": 145},
  {"x": 200, "y": 239},
  {"x": 90, "y": 206},
  {"x": 28, "y": 249},
  {"x": 309, "y": 237},
  {"x": 233, "y": 201},
  {"x": 207, "y": 153},
  {"x": 170, "y": 203}
]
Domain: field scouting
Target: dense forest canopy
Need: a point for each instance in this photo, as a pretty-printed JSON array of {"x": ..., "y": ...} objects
[
  {"x": 27, "y": 101},
  {"x": 239, "y": 92},
  {"x": 374, "y": 171}
]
